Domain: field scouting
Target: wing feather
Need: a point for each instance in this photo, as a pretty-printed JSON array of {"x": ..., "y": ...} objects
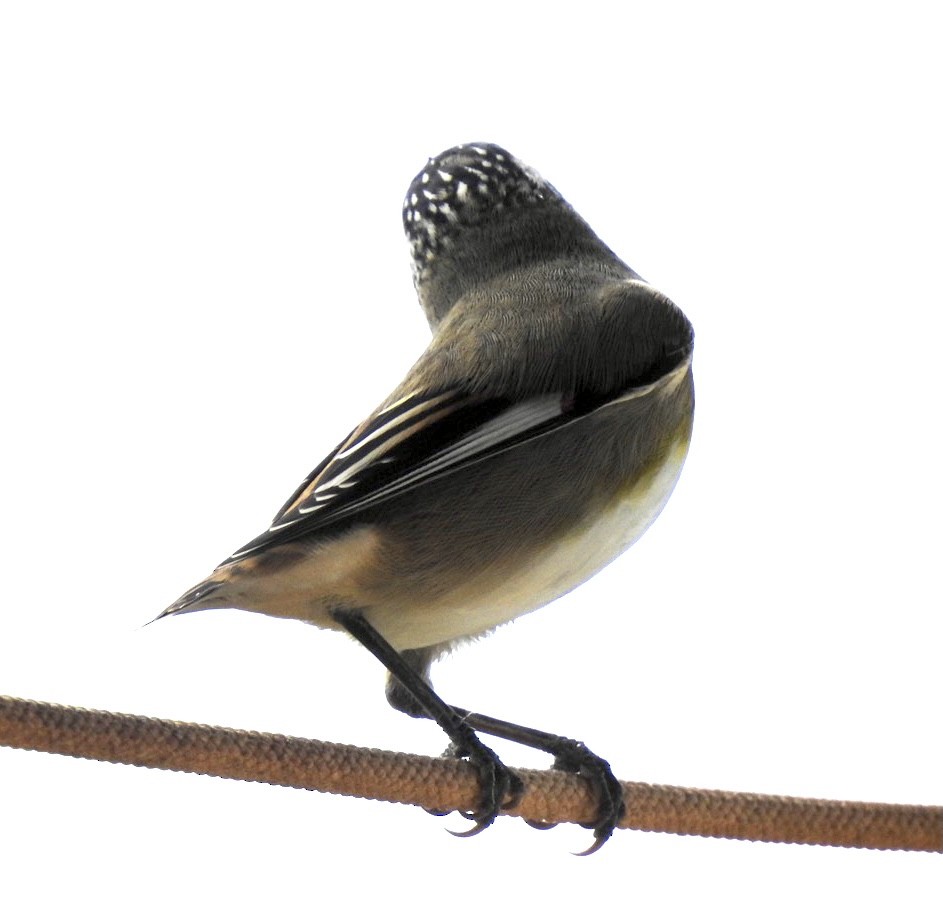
[
  {"x": 412, "y": 442},
  {"x": 379, "y": 459}
]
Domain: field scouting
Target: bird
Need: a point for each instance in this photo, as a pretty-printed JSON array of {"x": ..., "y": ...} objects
[{"x": 534, "y": 440}]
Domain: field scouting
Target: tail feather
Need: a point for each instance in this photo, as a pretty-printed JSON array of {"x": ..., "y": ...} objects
[{"x": 197, "y": 598}]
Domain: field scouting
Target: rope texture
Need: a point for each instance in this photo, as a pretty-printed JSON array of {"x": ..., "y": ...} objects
[{"x": 445, "y": 785}]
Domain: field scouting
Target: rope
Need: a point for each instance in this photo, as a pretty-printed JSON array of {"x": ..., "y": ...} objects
[{"x": 444, "y": 785}]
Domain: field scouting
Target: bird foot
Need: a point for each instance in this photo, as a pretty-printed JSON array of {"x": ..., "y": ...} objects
[
  {"x": 575, "y": 758},
  {"x": 500, "y": 787}
]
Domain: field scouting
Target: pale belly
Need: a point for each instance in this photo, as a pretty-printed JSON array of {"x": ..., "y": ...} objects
[{"x": 486, "y": 602}]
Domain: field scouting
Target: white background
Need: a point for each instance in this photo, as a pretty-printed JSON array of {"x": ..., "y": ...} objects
[{"x": 204, "y": 286}]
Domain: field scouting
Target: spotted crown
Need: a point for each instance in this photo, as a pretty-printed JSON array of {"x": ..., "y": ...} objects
[{"x": 463, "y": 187}]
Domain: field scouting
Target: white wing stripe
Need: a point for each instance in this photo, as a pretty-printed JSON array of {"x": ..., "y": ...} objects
[
  {"x": 374, "y": 456},
  {"x": 398, "y": 419},
  {"x": 502, "y": 428}
]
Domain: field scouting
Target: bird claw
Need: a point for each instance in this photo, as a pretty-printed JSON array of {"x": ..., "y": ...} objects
[
  {"x": 540, "y": 824},
  {"x": 436, "y": 812},
  {"x": 578, "y": 759},
  {"x": 476, "y": 829},
  {"x": 595, "y": 846},
  {"x": 501, "y": 788}
]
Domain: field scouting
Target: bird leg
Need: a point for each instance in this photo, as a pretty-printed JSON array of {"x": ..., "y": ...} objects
[
  {"x": 569, "y": 755},
  {"x": 499, "y": 786}
]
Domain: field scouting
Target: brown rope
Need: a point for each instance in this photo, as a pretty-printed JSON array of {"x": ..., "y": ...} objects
[{"x": 551, "y": 796}]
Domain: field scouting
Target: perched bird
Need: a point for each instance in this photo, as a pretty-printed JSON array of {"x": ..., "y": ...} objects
[{"x": 534, "y": 440}]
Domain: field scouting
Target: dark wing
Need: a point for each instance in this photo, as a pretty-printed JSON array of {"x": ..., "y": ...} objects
[
  {"x": 640, "y": 337},
  {"x": 402, "y": 446}
]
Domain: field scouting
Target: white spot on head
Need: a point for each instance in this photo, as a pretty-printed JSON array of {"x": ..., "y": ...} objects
[
  {"x": 425, "y": 178},
  {"x": 446, "y": 177},
  {"x": 532, "y": 175}
]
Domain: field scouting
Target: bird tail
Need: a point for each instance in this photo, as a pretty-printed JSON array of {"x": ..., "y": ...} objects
[{"x": 199, "y": 598}]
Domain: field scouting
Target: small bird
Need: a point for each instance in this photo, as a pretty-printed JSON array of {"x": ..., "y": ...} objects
[{"x": 535, "y": 439}]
